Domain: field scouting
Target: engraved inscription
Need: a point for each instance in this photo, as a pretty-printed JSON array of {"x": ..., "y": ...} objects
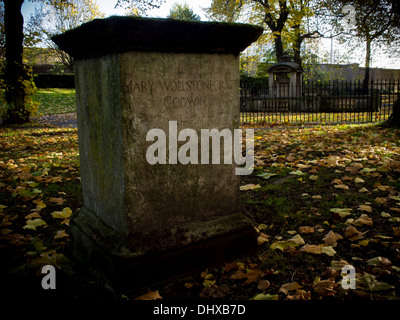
[{"x": 146, "y": 86}]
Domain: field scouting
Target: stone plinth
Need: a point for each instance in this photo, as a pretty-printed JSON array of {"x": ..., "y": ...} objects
[{"x": 140, "y": 221}]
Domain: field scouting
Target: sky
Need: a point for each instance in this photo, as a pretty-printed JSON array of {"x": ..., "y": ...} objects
[{"x": 107, "y": 6}]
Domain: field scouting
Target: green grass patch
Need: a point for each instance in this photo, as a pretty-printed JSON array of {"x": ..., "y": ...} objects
[{"x": 55, "y": 101}]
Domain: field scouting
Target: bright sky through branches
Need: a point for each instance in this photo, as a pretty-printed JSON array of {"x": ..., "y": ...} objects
[{"x": 107, "y": 6}]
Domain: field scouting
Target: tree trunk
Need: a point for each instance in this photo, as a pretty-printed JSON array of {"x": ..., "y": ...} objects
[
  {"x": 367, "y": 65},
  {"x": 14, "y": 70},
  {"x": 394, "y": 119},
  {"x": 297, "y": 45},
  {"x": 278, "y": 47}
]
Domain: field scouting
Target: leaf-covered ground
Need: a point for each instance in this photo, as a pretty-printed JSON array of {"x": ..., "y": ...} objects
[{"x": 321, "y": 198}]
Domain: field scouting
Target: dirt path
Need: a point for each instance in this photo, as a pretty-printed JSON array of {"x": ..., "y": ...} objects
[{"x": 66, "y": 120}]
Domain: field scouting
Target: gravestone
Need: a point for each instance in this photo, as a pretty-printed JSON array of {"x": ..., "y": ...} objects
[{"x": 141, "y": 221}]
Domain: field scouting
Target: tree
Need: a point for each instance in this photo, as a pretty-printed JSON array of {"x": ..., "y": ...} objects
[
  {"x": 375, "y": 23},
  {"x": 183, "y": 12},
  {"x": 394, "y": 119},
  {"x": 16, "y": 78},
  {"x": 285, "y": 20},
  {"x": 63, "y": 18},
  {"x": 14, "y": 72}
]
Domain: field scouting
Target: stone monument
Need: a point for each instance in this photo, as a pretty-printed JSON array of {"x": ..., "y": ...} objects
[{"x": 141, "y": 221}]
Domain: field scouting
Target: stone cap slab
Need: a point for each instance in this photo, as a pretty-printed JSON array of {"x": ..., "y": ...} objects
[{"x": 118, "y": 34}]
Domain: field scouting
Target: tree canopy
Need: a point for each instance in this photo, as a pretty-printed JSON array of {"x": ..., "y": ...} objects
[{"x": 183, "y": 12}]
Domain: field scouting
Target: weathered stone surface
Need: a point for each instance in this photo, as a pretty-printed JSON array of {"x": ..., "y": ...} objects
[{"x": 137, "y": 215}]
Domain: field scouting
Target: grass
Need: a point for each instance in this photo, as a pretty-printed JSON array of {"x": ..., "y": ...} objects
[
  {"x": 52, "y": 101},
  {"x": 55, "y": 101}
]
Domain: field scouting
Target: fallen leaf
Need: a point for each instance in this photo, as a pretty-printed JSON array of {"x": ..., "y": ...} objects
[
  {"x": 297, "y": 173},
  {"x": 363, "y": 220},
  {"x": 313, "y": 177},
  {"x": 355, "y": 166},
  {"x": 324, "y": 287},
  {"x": 249, "y": 187},
  {"x": 65, "y": 214},
  {"x": 230, "y": 266},
  {"x": 59, "y": 201},
  {"x": 364, "y": 207},
  {"x": 380, "y": 200},
  {"x": 33, "y": 224},
  {"x": 368, "y": 282},
  {"x": 353, "y": 234},
  {"x": 262, "y": 237},
  {"x": 328, "y": 250},
  {"x": 289, "y": 287},
  {"x": 358, "y": 180},
  {"x": 263, "y": 285},
  {"x": 32, "y": 215},
  {"x": 385, "y": 215},
  {"x": 331, "y": 238},
  {"x": 342, "y": 212},
  {"x": 208, "y": 283},
  {"x": 252, "y": 275},
  {"x": 267, "y": 175},
  {"x": 311, "y": 248},
  {"x": 267, "y": 296},
  {"x": 306, "y": 229},
  {"x": 297, "y": 239},
  {"x": 151, "y": 295},
  {"x": 341, "y": 186},
  {"x": 363, "y": 190},
  {"x": 61, "y": 234},
  {"x": 383, "y": 188},
  {"x": 379, "y": 262}
]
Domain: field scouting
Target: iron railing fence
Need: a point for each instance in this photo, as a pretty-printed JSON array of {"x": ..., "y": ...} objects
[{"x": 317, "y": 101}]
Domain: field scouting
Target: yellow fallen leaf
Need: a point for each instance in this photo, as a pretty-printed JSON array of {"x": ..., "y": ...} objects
[
  {"x": 364, "y": 220},
  {"x": 342, "y": 212},
  {"x": 297, "y": 239},
  {"x": 385, "y": 215},
  {"x": 313, "y": 177},
  {"x": 328, "y": 250},
  {"x": 262, "y": 238},
  {"x": 65, "y": 214},
  {"x": 364, "y": 207},
  {"x": 364, "y": 242},
  {"x": 383, "y": 188},
  {"x": 311, "y": 248},
  {"x": 380, "y": 200},
  {"x": 358, "y": 180},
  {"x": 33, "y": 224},
  {"x": 39, "y": 204},
  {"x": 363, "y": 190},
  {"x": 32, "y": 215},
  {"x": 341, "y": 186},
  {"x": 249, "y": 187}
]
